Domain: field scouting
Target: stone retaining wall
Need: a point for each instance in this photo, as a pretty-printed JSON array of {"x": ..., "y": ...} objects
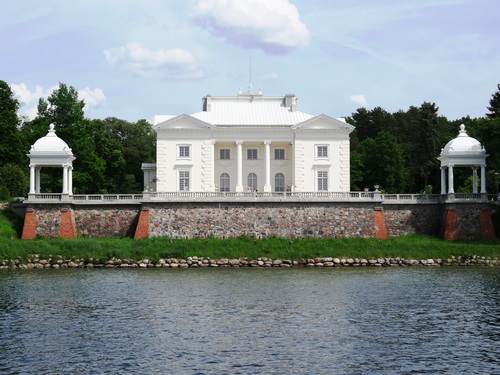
[
  {"x": 260, "y": 220},
  {"x": 403, "y": 220},
  {"x": 106, "y": 221}
]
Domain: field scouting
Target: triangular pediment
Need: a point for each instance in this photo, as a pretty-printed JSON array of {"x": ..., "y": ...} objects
[
  {"x": 324, "y": 122},
  {"x": 182, "y": 122}
]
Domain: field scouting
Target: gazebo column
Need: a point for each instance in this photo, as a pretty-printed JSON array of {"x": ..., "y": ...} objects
[
  {"x": 474, "y": 180},
  {"x": 37, "y": 180},
  {"x": 483, "y": 178},
  {"x": 450, "y": 180},
  {"x": 70, "y": 180},
  {"x": 32, "y": 179},
  {"x": 443, "y": 180},
  {"x": 267, "y": 184},
  {"x": 239, "y": 166},
  {"x": 65, "y": 179}
]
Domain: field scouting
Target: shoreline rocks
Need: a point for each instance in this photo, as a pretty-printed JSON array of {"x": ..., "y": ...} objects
[{"x": 35, "y": 262}]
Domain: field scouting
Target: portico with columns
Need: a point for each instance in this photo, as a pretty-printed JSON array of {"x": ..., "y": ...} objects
[
  {"x": 251, "y": 142},
  {"x": 464, "y": 152},
  {"x": 51, "y": 151}
]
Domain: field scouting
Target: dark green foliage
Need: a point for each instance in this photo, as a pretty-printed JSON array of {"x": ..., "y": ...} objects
[
  {"x": 494, "y": 106},
  {"x": 383, "y": 162},
  {"x": 13, "y": 181},
  {"x": 12, "y": 144}
]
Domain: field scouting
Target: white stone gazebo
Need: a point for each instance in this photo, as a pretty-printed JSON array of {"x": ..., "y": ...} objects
[
  {"x": 51, "y": 151},
  {"x": 463, "y": 151}
]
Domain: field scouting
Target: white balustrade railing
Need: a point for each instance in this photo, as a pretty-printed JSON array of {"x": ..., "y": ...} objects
[{"x": 254, "y": 196}]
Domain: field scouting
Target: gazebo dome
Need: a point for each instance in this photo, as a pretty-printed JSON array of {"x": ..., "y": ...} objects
[
  {"x": 462, "y": 144},
  {"x": 51, "y": 143}
]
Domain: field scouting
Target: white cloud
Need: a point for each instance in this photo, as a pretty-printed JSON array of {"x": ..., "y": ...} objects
[
  {"x": 171, "y": 64},
  {"x": 92, "y": 98},
  {"x": 359, "y": 100},
  {"x": 271, "y": 25},
  {"x": 24, "y": 94},
  {"x": 28, "y": 99}
]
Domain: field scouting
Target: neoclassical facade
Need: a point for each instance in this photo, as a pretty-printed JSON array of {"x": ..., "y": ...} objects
[{"x": 250, "y": 142}]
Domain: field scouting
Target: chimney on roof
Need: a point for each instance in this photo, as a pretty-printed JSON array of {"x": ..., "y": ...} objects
[
  {"x": 207, "y": 103},
  {"x": 291, "y": 102}
]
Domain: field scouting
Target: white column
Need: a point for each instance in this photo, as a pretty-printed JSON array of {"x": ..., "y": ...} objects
[
  {"x": 267, "y": 184},
  {"x": 443, "y": 180},
  {"x": 70, "y": 180},
  {"x": 450, "y": 180},
  {"x": 65, "y": 179},
  {"x": 474, "y": 180},
  {"x": 37, "y": 179},
  {"x": 32, "y": 179},
  {"x": 239, "y": 166},
  {"x": 483, "y": 178}
]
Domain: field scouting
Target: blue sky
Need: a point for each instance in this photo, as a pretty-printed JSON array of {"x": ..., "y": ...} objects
[{"x": 134, "y": 59}]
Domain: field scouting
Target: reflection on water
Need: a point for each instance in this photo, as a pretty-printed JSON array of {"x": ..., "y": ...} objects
[{"x": 251, "y": 321}]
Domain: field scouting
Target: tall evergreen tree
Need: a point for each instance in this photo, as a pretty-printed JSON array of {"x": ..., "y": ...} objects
[{"x": 494, "y": 106}]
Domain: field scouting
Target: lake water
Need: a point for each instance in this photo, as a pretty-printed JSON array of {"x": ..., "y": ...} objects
[{"x": 420, "y": 320}]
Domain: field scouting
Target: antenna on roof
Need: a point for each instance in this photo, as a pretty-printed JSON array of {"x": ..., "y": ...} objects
[{"x": 250, "y": 82}]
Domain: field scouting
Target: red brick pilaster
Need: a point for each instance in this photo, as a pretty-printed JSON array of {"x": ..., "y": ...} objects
[
  {"x": 142, "y": 230},
  {"x": 380, "y": 228},
  {"x": 67, "y": 227},
  {"x": 487, "y": 230},
  {"x": 29, "y": 227},
  {"x": 450, "y": 232}
]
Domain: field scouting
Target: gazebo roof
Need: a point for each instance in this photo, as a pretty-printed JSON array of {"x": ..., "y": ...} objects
[
  {"x": 50, "y": 144},
  {"x": 462, "y": 143},
  {"x": 463, "y": 150}
]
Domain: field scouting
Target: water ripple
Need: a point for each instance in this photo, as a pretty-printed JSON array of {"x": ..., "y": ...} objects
[{"x": 251, "y": 321}]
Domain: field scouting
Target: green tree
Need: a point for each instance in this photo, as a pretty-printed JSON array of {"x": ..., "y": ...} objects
[
  {"x": 494, "y": 106},
  {"x": 13, "y": 181},
  {"x": 357, "y": 168},
  {"x": 369, "y": 123},
  {"x": 383, "y": 161},
  {"x": 65, "y": 111},
  {"x": 418, "y": 134},
  {"x": 138, "y": 145},
  {"x": 13, "y": 147},
  {"x": 12, "y": 143}
]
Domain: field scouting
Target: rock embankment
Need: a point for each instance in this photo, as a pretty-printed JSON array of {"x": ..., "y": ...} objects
[{"x": 35, "y": 262}]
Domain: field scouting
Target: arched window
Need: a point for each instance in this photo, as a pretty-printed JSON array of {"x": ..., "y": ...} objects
[
  {"x": 252, "y": 182},
  {"x": 224, "y": 182},
  {"x": 279, "y": 182}
]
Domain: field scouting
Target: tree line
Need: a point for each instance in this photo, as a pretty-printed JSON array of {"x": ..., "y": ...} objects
[
  {"x": 108, "y": 152},
  {"x": 394, "y": 150},
  {"x": 398, "y": 150}
]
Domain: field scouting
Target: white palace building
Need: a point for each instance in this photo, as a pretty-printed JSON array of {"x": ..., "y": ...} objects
[{"x": 250, "y": 143}]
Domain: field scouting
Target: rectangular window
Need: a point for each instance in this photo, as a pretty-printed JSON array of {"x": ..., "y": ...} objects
[
  {"x": 184, "y": 151},
  {"x": 224, "y": 154},
  {"x": 321, "y": 152},
  {"x": 183, "y": 180},
  {"x": 252, "y": 154},
  {"x": 322, "y": 181},
  {"x": 279, "y": 154}
]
